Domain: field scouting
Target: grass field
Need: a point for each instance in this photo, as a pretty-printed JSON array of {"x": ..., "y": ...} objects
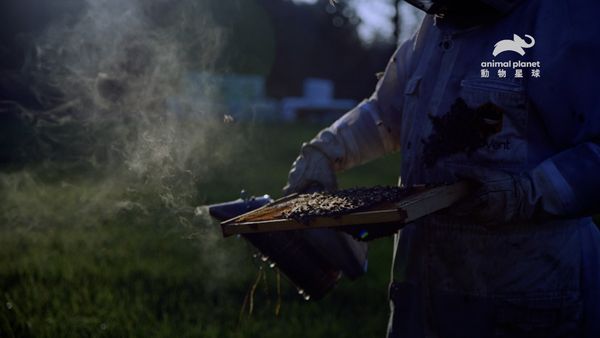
[{"x": 73, "y": 265}]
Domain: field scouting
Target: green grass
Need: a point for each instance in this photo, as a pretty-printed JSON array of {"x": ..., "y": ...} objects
[{"x": 74, "y": 265}]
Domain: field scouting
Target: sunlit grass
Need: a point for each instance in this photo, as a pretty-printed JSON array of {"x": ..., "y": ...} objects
[{"x": 88, "y": 256}]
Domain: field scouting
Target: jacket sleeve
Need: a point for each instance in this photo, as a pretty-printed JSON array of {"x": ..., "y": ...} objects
[
  {"x": 371, "y": 129},
  {"x": 568, "y": 99}
]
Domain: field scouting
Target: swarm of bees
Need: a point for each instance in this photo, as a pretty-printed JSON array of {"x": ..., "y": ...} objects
[{"x": 331, "y": 204}]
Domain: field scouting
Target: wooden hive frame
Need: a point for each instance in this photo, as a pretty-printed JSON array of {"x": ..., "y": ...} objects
[{"x": 423, "y": 202}]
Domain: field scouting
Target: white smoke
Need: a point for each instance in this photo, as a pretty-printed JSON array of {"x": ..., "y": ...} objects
[{"x": 107, "y": 75}]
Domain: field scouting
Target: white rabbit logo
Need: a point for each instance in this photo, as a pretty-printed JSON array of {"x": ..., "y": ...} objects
[{"x": 517, "y": 45}]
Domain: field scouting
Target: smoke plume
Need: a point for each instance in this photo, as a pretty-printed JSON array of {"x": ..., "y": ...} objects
[{"x": 116, "y": 132}]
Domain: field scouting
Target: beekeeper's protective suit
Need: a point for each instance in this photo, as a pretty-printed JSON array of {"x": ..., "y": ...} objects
[{"x": 521, "y": 257}]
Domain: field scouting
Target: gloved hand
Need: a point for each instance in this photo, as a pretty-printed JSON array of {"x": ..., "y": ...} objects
[
  {"x": 499, "y": 198},
  {"x": 355, "y": 138},
  {"x": 310, "y": 171}
]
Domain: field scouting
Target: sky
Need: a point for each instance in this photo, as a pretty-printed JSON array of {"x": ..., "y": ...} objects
[{"x": 376, "y": 17}]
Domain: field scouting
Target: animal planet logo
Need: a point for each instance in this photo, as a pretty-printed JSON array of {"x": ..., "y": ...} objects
[
  {"x": 502, "y": 69},
  {"x": 517, "y": 45}
]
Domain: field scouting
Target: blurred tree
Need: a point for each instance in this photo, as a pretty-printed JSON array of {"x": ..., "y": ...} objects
[
  {"x": 396, "y": 19},
  {"x": 321, "y": 40}
]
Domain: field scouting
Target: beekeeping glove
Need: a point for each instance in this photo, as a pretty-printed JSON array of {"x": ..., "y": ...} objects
[
  {"x": 498, "y": 198},
  {"x": 311, "y": 171},
  {"x": 353, "y": 139}
]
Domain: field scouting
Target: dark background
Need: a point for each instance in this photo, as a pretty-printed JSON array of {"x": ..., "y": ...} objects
[{"x": 103, "y": 232}]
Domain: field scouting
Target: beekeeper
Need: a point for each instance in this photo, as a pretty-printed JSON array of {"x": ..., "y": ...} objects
[{"x": 521, "y": 256}]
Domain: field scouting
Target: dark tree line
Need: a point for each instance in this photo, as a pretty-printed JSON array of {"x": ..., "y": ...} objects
[{"x": 279, "y": 39}]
